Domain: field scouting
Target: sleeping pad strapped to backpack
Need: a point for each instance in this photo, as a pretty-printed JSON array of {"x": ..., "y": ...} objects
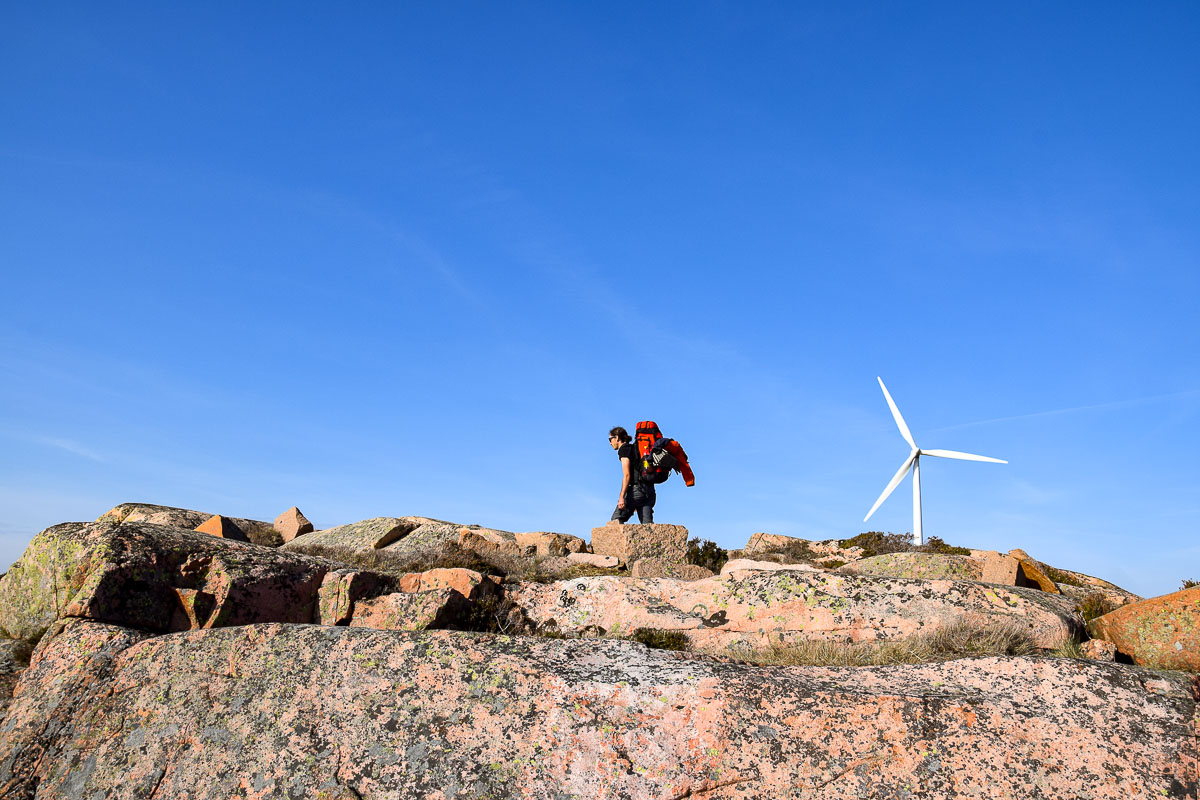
[{"x": 660, "y": 455}]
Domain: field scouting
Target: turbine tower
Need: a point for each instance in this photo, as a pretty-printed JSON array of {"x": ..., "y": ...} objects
[{"x": 913, "y": 462}]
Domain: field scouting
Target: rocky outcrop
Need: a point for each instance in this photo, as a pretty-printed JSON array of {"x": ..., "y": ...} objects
[
  {"x": 467, "y": 582},
  {"x": 254, "y": 530},
  {"x": 823, "y": 551},
  {"x": 546, "y": 544},
  {"x": 292, "y": 523},
  {"x": 303, "y": 711},
  {"x": 632, "y": 542},
  {"x": 488, "y": 542},
  {"x": 340, "y": 589},
  {"x": 156, "y": 578},
  {"x": 368, "y": 534},
  {"x": 1162, "y": 632},
  {"x": 657, "y": 568},
  {"x": 755, "y": 608},
  {"x": 399, "y": 536},
  {"x": 14, "y": 657},
  {"x": 927, "y": 566}
]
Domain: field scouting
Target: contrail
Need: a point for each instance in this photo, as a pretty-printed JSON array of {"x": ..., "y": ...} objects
[{"x": 1057, "y": 411}]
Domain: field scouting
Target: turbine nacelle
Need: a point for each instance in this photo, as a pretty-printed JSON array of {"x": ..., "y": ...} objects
[{"x": 913, "y": 464}]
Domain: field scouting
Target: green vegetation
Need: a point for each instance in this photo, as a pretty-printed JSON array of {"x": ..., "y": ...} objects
[
  {"x": 1058, "y": 576},
  {"x": 1095, "y": 605},
  {"x": 660, "y": 639},
  {"x": 964, "y": 639},
  {"x": 936, "y": 545},
  {"x": 874, "y": 543},
  {"x": 704, "y": 553},
  {"x": 796, "y": 552}
]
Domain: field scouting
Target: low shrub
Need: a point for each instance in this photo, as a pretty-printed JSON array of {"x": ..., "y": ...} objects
[
  {"x": 1187, "y": 584},
  {"x": 935, "y": 545},
  {"x": 874, "y": 543},
  {"x": 1058, "y": 576},
  {"x": 1095, "y": 605},
  {"x": 704, "y": 553},
  {"x": 660, "y": 639},
  {"x": 964, "y": 639},
  {"x": 794, "y": 552}
]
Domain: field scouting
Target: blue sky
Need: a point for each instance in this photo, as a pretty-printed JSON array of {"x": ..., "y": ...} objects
[{"x": 399, "y": 259}]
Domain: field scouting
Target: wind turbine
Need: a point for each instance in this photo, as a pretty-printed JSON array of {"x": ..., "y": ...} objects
[{"x": 913, "y": 462}]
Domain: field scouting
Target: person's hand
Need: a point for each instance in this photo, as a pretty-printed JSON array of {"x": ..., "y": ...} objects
[{"x": 621, "y": 503}]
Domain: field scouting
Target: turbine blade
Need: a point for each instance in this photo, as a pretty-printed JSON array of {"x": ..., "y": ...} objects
[
  {"x": 899, "y": 476},
  {"x": 962, "y": 456},
  {"x": 896, "y": 415}
]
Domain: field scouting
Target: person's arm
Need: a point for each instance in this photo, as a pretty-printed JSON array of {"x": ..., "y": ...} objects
[{"x": 624, "y": 481}]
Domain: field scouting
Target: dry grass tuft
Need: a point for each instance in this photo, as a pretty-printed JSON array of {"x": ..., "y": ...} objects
[{"x": 966, "y": 638}]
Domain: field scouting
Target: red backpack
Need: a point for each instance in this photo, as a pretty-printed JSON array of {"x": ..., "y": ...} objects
[{"x": 659, "y": 455}]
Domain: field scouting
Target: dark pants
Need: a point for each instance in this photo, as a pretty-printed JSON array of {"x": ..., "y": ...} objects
[{"x": 639, "y": 497}]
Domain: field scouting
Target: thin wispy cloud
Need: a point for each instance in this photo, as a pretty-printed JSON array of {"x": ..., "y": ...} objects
[
  {"x": 1137, "y": 401},
  {"x": 70, "y": 446}
]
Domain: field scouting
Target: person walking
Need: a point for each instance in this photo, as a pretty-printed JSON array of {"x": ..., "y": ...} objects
[{"x": 636, "y": 495}]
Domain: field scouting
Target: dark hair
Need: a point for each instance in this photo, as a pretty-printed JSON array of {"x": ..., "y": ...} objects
[{"x": 620, "y": 433}]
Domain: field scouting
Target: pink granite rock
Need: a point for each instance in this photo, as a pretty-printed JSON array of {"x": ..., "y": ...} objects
[
  {"x": 254, "y": 530},
  {"x": 292, "y": 523},
  {"x": 1099, "y": 650},
  {"x": 340, "y": 589},
  {"x": 409, "y": 611},
  {"x": 487, "y": 541},
  {"x": 271, "y": 711},
  {"x": 756, "y": 608},
  {"x": 467, "y": 582},
  {"x": 594, "y": 560},
  {"x": 154, "y": 577},
  {"x": 546, "y": 544},
  {"x": 738, "y": 564},
  {"x": 632, "y": 542}
]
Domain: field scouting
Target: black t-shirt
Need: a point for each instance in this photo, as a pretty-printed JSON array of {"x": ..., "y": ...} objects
[{"x": 629, "y": 450}]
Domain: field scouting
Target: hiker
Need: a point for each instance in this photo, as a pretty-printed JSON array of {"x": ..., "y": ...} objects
[{"x": 635, "y": 494}]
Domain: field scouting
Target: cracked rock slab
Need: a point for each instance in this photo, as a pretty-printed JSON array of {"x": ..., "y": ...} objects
[
  {"x": 756, "y": 608},
  {"x": 281, "y": 711}
]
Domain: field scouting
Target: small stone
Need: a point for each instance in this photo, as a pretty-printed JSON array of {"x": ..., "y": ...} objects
[
  {"x": 292, "y": 523},
  {"x": 1099, "y": 650}
]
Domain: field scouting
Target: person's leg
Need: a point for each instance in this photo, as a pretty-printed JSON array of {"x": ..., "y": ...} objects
[
  {"x": 622, "y": 515},
  {"x": 645, "y": 499}
]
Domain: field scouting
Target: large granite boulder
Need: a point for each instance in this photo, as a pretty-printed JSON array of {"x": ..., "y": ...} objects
[
  {"x": 632, "y": 542},
  {"x": 154, "y": 577},
  {"x": 270, "y": 711},
  {"x": 253, "y": 530},
  {"x": 927, "y": 566},
  {"x": 397, "y": 536},
  {"x": 756, "y": 608},
  {"x": 1162, "y": 632}
]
